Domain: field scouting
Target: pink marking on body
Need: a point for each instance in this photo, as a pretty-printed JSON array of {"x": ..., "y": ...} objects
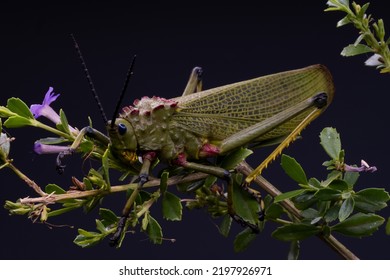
[
  {"x": 209, "y": 150},
  {"x": 150, "y": 156},
  {"x": 135, "y": 103},
  {"x": 158, "y": 107},
  {"x": 181, "y": 160},
  {"x": 134, "y": 112}
]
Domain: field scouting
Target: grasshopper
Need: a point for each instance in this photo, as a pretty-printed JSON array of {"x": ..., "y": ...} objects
[{"x": 201, "y": 124}]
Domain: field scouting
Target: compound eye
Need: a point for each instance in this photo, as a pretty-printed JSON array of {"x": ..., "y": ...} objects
[{"x": 122, "y": 129}]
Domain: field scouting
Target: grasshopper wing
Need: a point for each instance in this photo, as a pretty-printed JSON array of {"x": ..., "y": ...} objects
[{"x": 218, "y": 113}]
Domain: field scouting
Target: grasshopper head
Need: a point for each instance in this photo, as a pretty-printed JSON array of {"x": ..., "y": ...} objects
[{"x": 123, "y": 140}]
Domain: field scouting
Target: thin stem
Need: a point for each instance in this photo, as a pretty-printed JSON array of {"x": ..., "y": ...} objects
[
  {"x": 52, "y": 198},
  {"x": 28, "y": 181}
]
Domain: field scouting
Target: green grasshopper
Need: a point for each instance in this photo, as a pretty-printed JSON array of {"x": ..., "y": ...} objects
[{"x": 207, "y": 123}]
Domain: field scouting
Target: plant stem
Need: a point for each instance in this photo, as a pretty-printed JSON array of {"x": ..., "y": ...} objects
[
  {"x": 52, "y": 198},
  {"x": 28, "y": 181},
  {"x": 289, "y": 206}
]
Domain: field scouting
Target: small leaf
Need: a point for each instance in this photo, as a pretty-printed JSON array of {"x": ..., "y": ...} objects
[
  {"x": 245, "y": 205},
  {"x": 274, "y": 211},
  {"x": 339, "y": 185},
  {"x": 108, "y": 217},
  {"x": 234, "y": 158},
  {"x": 293, "y": 253},
  {"x": 352, "y": 50},
  {"x": 19, "y": 107},
  {"x": 351, "y": 178},
  {"x": 226, "y": 223},
  {"x": 346, "y": 208},
  {"x": 359, "y": 225},
  {"x": 371, "y": 200},
  {"x": 53, "y": 188},
  {"x": 171, "y": 206},
  {"x": 164, "y": 182},
  {"x": 293, "y": 232},
  {"x": 243, "y": 240},
  {"x": 388, "y": 226},
  {"x": 328, "y": 194},
  {"x": 64, "y": 122},
  {"x": 330, "y": 141},
  {"x": 61, "y": 211},
  {"x": 154, "y": 231},
  {"x": 332, "y": 214},
  {"x": 16, "y": 121},
  {"x": 343, "y": 21},
  {"x": 304, "y": 200},
  {"x": 288, "y": 195},
  {"x": 52, "y": 140},
  {"x": 293, "y": 169},
  {"x": 100, "y": 227}
]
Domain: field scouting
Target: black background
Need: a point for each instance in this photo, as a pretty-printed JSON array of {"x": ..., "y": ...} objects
[{"x": 232, "y": 42}]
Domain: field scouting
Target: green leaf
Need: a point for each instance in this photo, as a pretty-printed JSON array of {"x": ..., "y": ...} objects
[
  {"x": 19, "y": 107},
  {"x": 100, "y": 227},
  {"x": 108, "y": 217},
  {"x": 164, "y": 182},
  {"x": 332, "y": 176},
  {"x": 293, "y": 169},
  {"x": 16, "y": 121},
  {"x": 64, "y": 122},
  {"x": 293, "y": 232},
  {"x": 171, "y": 206},
  {"x": 304, "y": 200},
  {"x": 351, "y": 178},
  {"x": 243, "y": 240},
  {"x": 53, "y": 188},
  {"x": 388, "y": 226},
  {"x": 332, "y": 214},
  {"x": 343, "y": 21},
  {"x": 245, "y": 205},
  {"x": 328, "y": 194},
  {"x": 61, "y": 211},
  {"x": 87, "y": 239},
  {"x": 346, "y": 208},
  {"x": 339, "y": 185},
  {"x": 330, "y": 141},
  {"x": 293, "y": 253},
  {"x": 352, "y": 50},
  {"x": 288, "y": 195},
  {"x": 226, "y": 223},
  {"x": 234, "y": 158},
  {"x": 52, "y": 140},
  {"x": 359, "y": 225},
  {"x": 274, "y": 211},
  {"x": 154, "y": 231},
  {"x": 371, "y": 200}
]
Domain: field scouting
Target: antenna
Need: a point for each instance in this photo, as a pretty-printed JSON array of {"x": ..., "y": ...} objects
[
  {"x": 91, "y": 86},
  {"x": 128, "y": 76}
]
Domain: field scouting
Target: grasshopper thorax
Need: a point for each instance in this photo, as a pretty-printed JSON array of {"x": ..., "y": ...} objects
[{"x": 123, "y": 140}]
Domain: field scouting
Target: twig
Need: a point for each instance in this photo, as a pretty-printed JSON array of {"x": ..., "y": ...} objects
[
  {"x": 52, "y": 198},
  {"x": 28, "y": 181}
]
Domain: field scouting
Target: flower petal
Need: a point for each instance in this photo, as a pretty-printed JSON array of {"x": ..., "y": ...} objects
[{"x": 40, "y": 148}]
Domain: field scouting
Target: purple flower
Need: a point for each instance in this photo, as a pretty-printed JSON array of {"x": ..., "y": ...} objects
[
  {"x": 40, "y": 148},
  {"x": 44, "y": 109},
  {"x": 364, "y": 167}
]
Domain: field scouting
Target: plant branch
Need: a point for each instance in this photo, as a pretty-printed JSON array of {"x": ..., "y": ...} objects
[{"x": 336, "y": 245}]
